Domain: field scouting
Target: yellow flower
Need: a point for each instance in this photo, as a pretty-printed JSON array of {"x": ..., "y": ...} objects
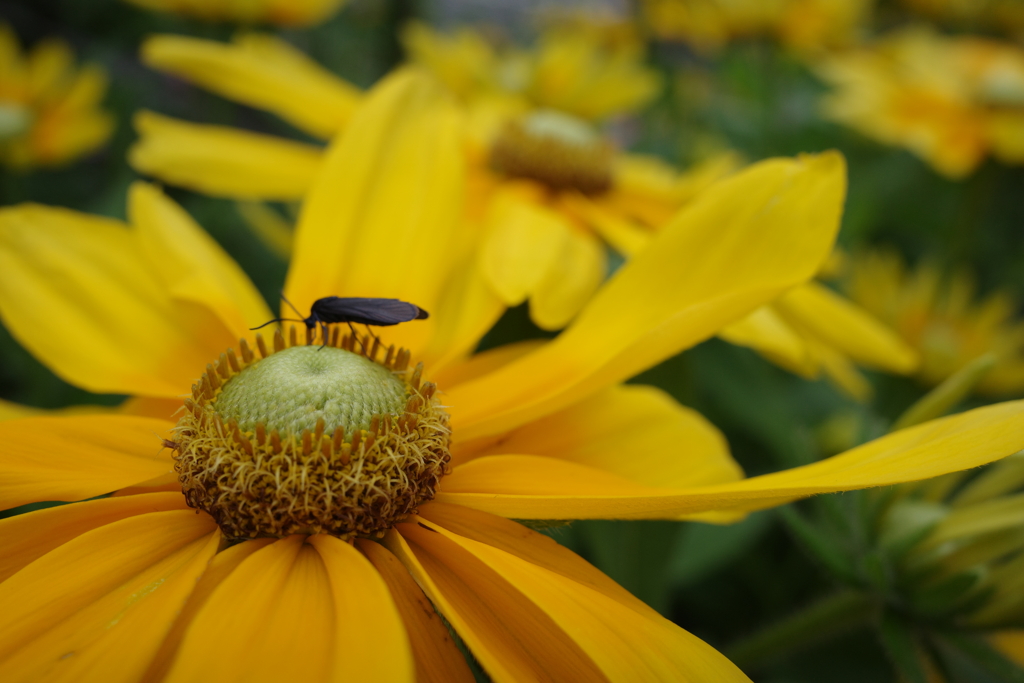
[
  {"x": 280, "y": 12},
  {"x": 951, "y": 101},
  {"x": 49, "y": 109},
  {"x": 1004, "y": 16},
  {"x": 571, "y": 69},
  {"x": 804, "y": 25},
  {"x": 138, "y": 586},
  {"x": 548, "y": 191},
  {"x": 940, "y": 318}
]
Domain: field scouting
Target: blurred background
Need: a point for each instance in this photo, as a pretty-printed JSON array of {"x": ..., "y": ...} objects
[{"x": 925, "y": 98}]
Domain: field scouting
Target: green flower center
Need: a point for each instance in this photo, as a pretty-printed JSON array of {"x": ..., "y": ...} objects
[{"x": 292, "y": 390}]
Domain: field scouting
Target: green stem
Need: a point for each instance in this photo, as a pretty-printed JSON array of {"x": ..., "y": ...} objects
[{"x": 817, "y": 622}]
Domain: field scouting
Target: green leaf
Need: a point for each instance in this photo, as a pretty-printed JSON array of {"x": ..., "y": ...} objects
[
  {"x": 698, "y": 550},
  {"x": 904, "y": 651},
  {"x": 821, "y": 545},
  {"x": 971, "y": 658}
]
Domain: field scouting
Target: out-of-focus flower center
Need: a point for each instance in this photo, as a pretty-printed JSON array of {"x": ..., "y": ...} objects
[
  {"x": 311, "y": 438},
  {"x": 15, "y": 119},
  {"x": 555, "y": 149}
]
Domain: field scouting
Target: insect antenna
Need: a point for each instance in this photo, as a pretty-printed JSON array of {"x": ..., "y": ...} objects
[
  {"x": 297, "y": 311},
  {"x": 278, "y": 320}
]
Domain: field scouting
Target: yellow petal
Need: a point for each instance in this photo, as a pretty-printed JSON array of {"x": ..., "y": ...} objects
[
  {"x": 223, "y": 161},
  {"x": 738, "y": 246},
  {"x": 1011, "y": 644},
  {"x": 847, "y": 328},
  {"x": 437, "y": 658},
  {"x": 263, "y": 72},
  {"x": 370, "y": 643},
  {"x": 468, "y": 308},
  {"x": 480, "y": 364},
  {"x": 841, "y": 371},
  {"x": 78, "y": 292},
  {"x": 768, "y": 334},
  {"x": 565, "y": 289},
  {"x": 627, "y": 641},
  {"x": 633, "y": 431},
  {"x": 275, "y": 605},
  {"x": 221, "y": 566},
  {"x": 384, "y": 217},
  {"x": 30, "y": 536},
  {"x": 524, "y": 240},
  {"x": 513, "y": 639},
  {"x": 529, "y": 487},
  {"x": 97, "y": 607},
  {"x": 321, "y": 599},
  {"x": 15, "y": 411},
  {"x": 624, "y": 236},
  {"x": 76, "y": 457},
  {"x": 192, "y": 266}
]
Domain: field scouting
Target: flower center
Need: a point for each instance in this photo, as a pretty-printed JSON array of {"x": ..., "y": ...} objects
[
  {"x": 311, "y": 438},
  {"x": 15, "y": 119},
  {"x": 555, "y": 149}
]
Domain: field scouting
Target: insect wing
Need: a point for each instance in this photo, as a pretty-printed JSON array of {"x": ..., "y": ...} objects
[{"x": 366, "y": 311}]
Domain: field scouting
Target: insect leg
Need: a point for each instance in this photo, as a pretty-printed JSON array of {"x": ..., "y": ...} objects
[
  {"x": 355, "y": 336},
  {"x": 323, "y": 331}
]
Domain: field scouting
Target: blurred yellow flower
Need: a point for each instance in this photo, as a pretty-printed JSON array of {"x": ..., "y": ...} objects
[
  {"x": 280, "y": 12},
  {"x": 1004, "y": 16},
  {"x": 941, "y": 318},
  {"x": 951, "y": 101},
  {"x": 548, "y": 190},
  {"x": 571, "y": 69},
  {"x": 803, "y": 25},
  {"x": 49, "y": 109},
  {"x": 139, "y": 587}
]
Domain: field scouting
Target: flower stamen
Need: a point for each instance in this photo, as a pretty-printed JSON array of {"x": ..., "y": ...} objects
[{"x": 311, "y": 438}]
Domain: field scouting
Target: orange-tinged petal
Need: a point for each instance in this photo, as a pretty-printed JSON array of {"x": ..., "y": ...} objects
[
  {"x": 223, "y": 161},
  {"x": 76, "y": 457},
  {"x": 564, "y": 290},
  {"x": 628, "y": 644},
  {"x": 221, "y": 566},
  {"x": 98, "y": 606},
  {"x": 77, "y": 291},
  {"x": 192, "y": 266},
  {"x": 263, "y": 72},
  {"x": 847, "y": 328},
  {"x": 15, "y": 411},
  {"x": 633, "y": 431},
  {"x": 513, "y": 639},
  {"x": 437, "y": 658},
  {"x": 29, "y": 536},
  {"x": 530, "y": 487},
  {"x": 370, "y": 642},
  {"x": 272, "y": 607},
  {"x": 383, "y": 218},
  {"x": 738, "y": 246},
  {"x": 523, "y": 241},
  {"x": 1011, "y": 644},
  {"x": 768, "y": 334}
]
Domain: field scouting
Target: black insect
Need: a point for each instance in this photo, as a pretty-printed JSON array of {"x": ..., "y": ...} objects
[{"x": 354, "y": 309}]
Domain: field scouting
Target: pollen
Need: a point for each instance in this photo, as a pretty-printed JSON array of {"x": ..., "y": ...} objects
[
  {"x": 338, "y": 436},
  {"x": 556, "y": 150}
]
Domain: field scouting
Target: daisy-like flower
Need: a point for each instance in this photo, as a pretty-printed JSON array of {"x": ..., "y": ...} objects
[
  {"x": 804, "y": 25},
  {"x": 279, "y": 12},
  {"x": 951, "y": 101},
  {"x": 49, "y": 108},
  {"x": 942, "y": 319},
  {"x": 548, "y": 191},
  {"x": 346, "y": 494},
  {"x": 1003, "y": 16}
]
